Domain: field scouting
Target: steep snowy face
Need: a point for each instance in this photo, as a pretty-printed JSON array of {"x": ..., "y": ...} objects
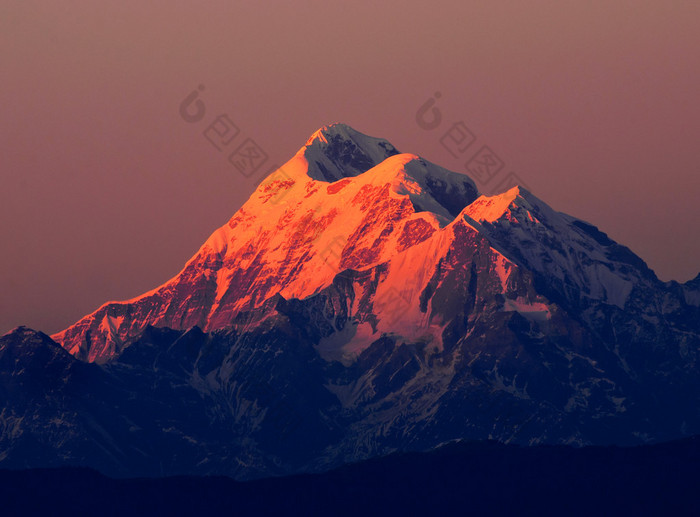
[
  {"x": 344, "y": 201},
  {"x": 304, "y": 232},
  {"x": 338, "y": 151},
  {"x": 431, "y": 253},
  {"x": 431, "y": 294},
  {"x": 453, "y": 315},
  {"x": 575, "y": 258}
]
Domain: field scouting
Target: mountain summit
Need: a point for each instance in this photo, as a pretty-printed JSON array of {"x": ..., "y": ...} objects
[
  {"x": 350, "y": 202},
  {"x": 362, "y": 301},
  {"x": 344, "y": 201}
]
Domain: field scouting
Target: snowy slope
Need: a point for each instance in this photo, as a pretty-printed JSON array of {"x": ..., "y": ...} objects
[
  {"x": 346, "y": 201},
  {"x": 575, "y": 255},
  {"x": 363, "y": 301},
  {"x": 291, "y": 237}
]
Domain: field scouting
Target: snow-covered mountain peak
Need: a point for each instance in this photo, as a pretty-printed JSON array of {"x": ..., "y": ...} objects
[
  {"x": 350, "y": 202},
  {"x": 375, "y": 302},
  {"x": 429, "y": 187},
  {"x": 576, "y": 258},
  {"x": 338, "y": 151},
  {"x": 324, "y": 133},
  {"x": 492, "y": 208},
  {"x": 291, "y": 238}
]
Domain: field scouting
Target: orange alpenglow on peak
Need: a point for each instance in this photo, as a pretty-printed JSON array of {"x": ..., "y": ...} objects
[{"x": 350, "y": 204}]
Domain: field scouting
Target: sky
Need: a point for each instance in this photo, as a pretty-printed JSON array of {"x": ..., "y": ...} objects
[{"x": 107, "y": 190}]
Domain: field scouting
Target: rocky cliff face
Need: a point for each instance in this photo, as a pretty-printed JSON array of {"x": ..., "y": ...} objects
[{"x": 364, "y": 301}]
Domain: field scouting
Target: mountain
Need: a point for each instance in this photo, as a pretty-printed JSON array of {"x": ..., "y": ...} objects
[
  {"x": 364, "y": 301},
  {"x": 291, "y": 238},
  {"x": 475, "y": 478}
]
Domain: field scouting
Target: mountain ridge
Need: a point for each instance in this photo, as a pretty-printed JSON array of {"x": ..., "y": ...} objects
[
  {"x": 381, "y": 307},
  {"x": 402, "y": 183}
]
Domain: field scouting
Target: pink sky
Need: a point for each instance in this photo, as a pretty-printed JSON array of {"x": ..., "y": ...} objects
[{"x": 107, "y": 191}]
